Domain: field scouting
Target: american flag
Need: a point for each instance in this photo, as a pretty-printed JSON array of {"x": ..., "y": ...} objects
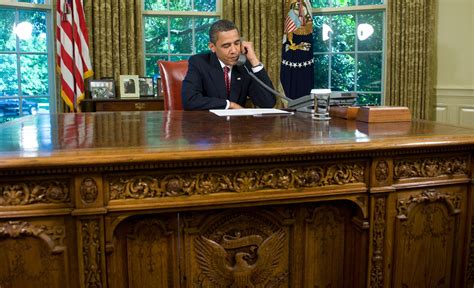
[
  {"x": 72, "y": 46},
  {"x": 292, "y": 22}
]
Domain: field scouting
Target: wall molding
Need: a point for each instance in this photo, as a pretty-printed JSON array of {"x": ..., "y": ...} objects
[
  {"x": 455, "y": 105},
  {"x": 455, "y": 91}
]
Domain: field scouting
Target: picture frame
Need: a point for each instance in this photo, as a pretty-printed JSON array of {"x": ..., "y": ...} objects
[
  {"x": 159, "y": 89},
  {"x": 146, "y": 86},
  {"x": 129, "y": 88},
  {"x": 102, "y": 89}
]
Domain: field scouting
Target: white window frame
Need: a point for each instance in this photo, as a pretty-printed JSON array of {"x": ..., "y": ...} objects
[
  {"x": 49, "y": 9},
  {"x": 361, "y": 8},
  {"x": 167, "y": 13}
]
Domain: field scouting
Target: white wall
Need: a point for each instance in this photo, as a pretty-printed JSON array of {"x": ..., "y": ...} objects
[{"x": 455, "y": 48}]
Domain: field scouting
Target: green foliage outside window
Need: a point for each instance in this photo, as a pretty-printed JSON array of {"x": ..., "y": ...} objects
[
  {"x": 23, "y": 61},
  {"x": 181, "y": 5},
  {"x": 175, "y": 38},
  {"x": 348, "y": 53},
  {"x": 343, "y": 3}
]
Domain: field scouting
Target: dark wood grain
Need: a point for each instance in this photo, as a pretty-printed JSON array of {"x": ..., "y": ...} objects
[
  {"x": 190, "y": 199},
  {"x": 161, "y": 136}
]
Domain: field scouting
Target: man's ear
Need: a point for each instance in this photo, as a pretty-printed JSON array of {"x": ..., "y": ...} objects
[{"x": 212, "y": 47}]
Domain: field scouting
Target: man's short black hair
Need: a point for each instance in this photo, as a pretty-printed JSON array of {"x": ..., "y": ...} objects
[{"x": 220, "y": 26}]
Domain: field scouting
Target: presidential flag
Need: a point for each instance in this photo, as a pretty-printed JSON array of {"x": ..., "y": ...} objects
[
  {"x": 297, "y": 64},
  {"x": 72, "y": 46}
]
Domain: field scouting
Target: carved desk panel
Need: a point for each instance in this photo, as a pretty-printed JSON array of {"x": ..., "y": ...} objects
[{"x": 189, "y": 199}]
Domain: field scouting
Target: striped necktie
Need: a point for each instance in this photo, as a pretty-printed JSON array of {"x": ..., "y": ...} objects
[{"x": 227, "y": 80}]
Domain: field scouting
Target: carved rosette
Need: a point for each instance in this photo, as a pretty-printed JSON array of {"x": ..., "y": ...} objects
[
  {"x": 381, "y": 171},
  {"x": 404, "y": 206},
  {"x": 376, "y": 274},
  {"x": 430, "y": 167},
  {"x": 89, "y": 191},
  {"x": 53, "y": 236},
  {"x": 13, "y": 194},
  {"x": 91, "y": 253},
  {"x": 202, "y": 183}
]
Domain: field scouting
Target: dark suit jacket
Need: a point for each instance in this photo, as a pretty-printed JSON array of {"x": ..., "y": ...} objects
[{"x": 204, "y": 86}]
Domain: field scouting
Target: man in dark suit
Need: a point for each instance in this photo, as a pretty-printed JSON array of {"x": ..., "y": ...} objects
[{"x": 206, "y": 85}]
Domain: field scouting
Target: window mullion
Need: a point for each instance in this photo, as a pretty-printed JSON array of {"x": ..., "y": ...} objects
[
  {"x": 18, "y": 58},
  {"x": 356, "y": 52}
]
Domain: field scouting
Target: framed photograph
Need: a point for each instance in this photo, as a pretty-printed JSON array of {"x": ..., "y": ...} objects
[
  {"x": 159, "y": 90},
  {"x": 146, "y": 87},
  {"x": 129, "y": 87},
  {"x": 102, "y": 89}
]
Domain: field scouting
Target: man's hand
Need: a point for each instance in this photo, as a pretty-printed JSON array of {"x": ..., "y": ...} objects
[
  {"x": 234, "y": 105},
  {"x": 247, "y": 48}
]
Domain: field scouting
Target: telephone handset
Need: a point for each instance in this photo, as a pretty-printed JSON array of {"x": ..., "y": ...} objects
[{"x": 242, "y": 58}]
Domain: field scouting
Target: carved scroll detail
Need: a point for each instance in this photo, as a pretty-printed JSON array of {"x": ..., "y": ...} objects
[
  {"x": 31, "y": 193},
  {"x": 89, "y": 190},
  {"x": 53, "y": 236},
  {"x": 376, "y": 275},
  {"x": 404, "y": 206},
  {"x": 430, "y": 167},
  {"x": 91, "y": 253},
  {"x": 201, "y": 183}
]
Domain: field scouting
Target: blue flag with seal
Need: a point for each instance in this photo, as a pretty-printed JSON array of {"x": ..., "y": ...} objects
[{"x": 297, "y": 63}]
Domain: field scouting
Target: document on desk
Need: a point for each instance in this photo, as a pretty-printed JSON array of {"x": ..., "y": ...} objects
[{"x": 251, "y": 112}]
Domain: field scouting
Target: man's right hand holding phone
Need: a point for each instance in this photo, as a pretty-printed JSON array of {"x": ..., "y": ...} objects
[{"x": 247, "y": 49}]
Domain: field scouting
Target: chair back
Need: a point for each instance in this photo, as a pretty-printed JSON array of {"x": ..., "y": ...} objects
[{"x": 172, "y": 76}]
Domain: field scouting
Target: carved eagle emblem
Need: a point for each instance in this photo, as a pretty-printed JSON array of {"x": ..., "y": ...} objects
[{"x": 211, "y": 258}]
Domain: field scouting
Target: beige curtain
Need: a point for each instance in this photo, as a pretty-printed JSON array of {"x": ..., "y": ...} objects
[
  {"x": 411, "y": 55},
  {"x": 115, "y": 37},
  {"x": 261, "y": 22}
]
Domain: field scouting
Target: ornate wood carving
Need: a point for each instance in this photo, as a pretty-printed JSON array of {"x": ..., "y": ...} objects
[
  {"x": 91, "y": 252},
  {"x": 323, "y": 243},
  {"x": 89, "y": 190},
  {"x": 376, "y": 274},
  {"x": 325, "y": 222},
  {"x": 234, "y": 181},
  {"x": 404, "y": 206},
  {"x": 428, "y": 225},
  {"x": 27, "y": 264},
  {"x": 32, "y": 255},
  {"x": 53, "y": 236},
  {"x": 13, "y": 194},
  {"x": 241, "y": 250},
  {"x": 470, "y": 264},
  {"x": 244, "y": 271},
  {"x": 436, "y": 225},
  {"x": 381, "y": 171},
  {"x": 150, "y": 246},
  {"x": 430, "y": 167}
]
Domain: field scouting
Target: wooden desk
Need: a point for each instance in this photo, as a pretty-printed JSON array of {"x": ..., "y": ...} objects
[
  {"x": 188, "y": 199},
  {"x": 111, "y": 105}
]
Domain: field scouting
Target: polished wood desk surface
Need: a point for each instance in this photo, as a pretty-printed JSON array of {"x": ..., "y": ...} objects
[
  {"x": 130, "y": 199},
  {"x": 127, "y": 137}
]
